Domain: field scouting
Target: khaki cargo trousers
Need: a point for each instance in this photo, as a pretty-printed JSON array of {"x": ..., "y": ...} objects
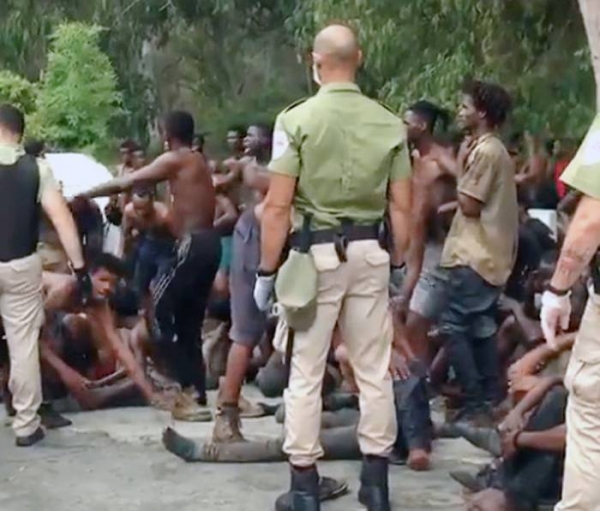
[
  {"x": 354, "y": 295},
  {"x": 581, "y": 482},
  {"x": 22, "y": 312}
]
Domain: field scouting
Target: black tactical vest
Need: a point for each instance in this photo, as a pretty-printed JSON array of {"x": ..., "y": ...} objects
[{"x": 19, "y": 209}]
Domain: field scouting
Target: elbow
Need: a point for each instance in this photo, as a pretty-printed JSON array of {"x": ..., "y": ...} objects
[
  {"x": 470, "y": 211},
  {"x": 275, "y": 214}
]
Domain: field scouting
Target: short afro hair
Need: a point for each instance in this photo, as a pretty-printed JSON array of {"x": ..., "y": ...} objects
[
  {"x": 179, "y": 125},
  {"x": 431, "y": 114},
  {"x": 103, "y": 260},
  {"x": 491, "y": 99}
]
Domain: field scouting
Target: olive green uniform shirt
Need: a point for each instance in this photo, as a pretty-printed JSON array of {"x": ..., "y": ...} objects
[
  {"x": 487, "y": 244},
  {"x": 10, "y": 154},
  {"x": 583, "y": 173},
  {"x": 344, "y": 149}
]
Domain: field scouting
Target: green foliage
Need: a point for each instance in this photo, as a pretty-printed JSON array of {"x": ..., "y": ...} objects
[
  {"x": 425, "y": 48},
  {"x": 17, "y": 91},
  {"x": 236, "y": 61},
  {"x": 78, "y": 95}
]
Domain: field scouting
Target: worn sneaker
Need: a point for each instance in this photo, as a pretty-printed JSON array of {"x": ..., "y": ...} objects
[
  {"x": 228, "y": 425},
  {"x": 186, "y": 409},
  {"x": 250, "y": 410}
]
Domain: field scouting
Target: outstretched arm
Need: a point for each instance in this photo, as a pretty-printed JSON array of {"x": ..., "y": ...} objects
[
  {"x": 159, "y": 170},
  {"x": 103, "y": 320}
]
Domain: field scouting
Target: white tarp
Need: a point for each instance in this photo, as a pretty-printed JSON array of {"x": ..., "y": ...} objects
[{"x": 78, "y": 173}]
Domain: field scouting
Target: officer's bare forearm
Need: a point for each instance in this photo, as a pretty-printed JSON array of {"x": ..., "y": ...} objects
[
  {"x": 400, "y": 209},
  {"x": 112, "y": 187},
  {"x": 581, "y": 243},
  {"x": 400, "y": 221},
  {"x": 416, "y": 249},
  {"x": 275, "y": 227},
  {"x": 59, "y": 214}
]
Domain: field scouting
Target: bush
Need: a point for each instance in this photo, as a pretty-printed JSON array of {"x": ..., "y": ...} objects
[
  {"x": 78, "y": 95},
  {"x": 17, "y": 91}
]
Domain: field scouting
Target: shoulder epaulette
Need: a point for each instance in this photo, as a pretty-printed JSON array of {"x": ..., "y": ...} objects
[
  {"x": 295, "y": 104},
  {"x": 387, "y": 107}
]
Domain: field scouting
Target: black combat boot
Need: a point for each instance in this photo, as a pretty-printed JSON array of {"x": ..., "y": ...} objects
[
  {"x": 374, "y": 493},
  {"x": 304, "y": 493}
]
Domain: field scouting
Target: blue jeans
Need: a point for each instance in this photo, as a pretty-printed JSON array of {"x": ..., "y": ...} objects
[
  {"x": 415, "y": 429},
  {"x": 469, "y": 326}
]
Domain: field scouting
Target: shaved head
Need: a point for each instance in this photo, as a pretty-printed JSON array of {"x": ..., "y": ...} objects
[{"x": 337, "y": 42}]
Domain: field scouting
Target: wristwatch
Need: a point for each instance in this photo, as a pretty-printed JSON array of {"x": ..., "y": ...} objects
[{"x": 557, "y": 292}]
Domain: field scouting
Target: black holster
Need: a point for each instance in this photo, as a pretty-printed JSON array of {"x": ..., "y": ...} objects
[{"x": 595, "y": 272}]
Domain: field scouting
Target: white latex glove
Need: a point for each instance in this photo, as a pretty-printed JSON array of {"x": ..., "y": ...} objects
[
  {"x": 555, "y": 313},
  {"x": 263, "y": 292}
]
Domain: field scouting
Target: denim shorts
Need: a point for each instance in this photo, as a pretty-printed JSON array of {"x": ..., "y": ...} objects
[{"x": 430, "y": 295}]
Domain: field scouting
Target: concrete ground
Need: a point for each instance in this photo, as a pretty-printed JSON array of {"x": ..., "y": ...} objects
[{"x": 113, "y": 461}]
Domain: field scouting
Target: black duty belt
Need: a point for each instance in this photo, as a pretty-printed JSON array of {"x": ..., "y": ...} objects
[
  {"x": 351, "y": 233},
  {"x": 340, "y": 236}
]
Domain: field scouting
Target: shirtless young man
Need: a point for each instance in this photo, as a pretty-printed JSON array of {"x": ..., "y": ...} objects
[
  {"x": 146, "y": 222},
  {"x": 182, "y": 288},
  {"x": 434, "y": 186},
  {"x": 248, "y": 323},
  {"x": 418, "y": 299},
  {"x": 90, "y": 329}
]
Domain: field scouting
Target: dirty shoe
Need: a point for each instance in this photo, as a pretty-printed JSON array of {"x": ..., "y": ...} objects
[
  {"x": 187, "y": 410},
  {"x": 227, "y": 425},
  {"x": 247, "y": 409},
  {"x": 250, "y": 410}
]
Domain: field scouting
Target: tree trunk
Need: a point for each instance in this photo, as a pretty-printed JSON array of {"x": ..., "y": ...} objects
[{"x": 590, "y": 10}]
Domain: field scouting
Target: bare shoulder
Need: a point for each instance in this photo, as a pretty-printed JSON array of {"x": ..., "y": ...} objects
[
  {"x": 57, "y": 289},
  {"x": 129, "y": 211}
]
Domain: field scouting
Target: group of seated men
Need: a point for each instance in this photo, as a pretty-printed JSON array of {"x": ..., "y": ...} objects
[{"x": 101, "y": 355}]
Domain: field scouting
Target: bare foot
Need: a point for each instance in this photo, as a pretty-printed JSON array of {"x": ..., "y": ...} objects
[{"x": 418, "y": 460}]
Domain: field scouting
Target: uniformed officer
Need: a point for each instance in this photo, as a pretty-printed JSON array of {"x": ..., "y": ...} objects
[
  {"x": 336, "y": 158},
  {"x": 25, "y": 185},
  {"x": 581, "y": 491}
]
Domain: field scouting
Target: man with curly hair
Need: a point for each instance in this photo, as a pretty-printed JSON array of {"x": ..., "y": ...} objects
[{"x": 480, "y": 250}]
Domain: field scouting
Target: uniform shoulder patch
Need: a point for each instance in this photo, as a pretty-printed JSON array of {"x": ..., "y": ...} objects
[{"x": 295, "y": 104}]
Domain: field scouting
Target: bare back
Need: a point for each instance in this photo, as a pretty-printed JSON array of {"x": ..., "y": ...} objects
[{"x": 193, "y": 194}]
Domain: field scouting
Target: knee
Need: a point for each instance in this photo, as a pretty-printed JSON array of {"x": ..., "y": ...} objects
[{"x": 271, "y": 381}]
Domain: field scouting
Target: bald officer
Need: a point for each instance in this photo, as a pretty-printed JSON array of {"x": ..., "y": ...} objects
[
  {"x": 580, "y": 484},
  {"x": 336, "y": 158}
]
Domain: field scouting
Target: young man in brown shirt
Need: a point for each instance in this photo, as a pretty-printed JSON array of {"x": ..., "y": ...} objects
[{"x": 480, "y": 250}]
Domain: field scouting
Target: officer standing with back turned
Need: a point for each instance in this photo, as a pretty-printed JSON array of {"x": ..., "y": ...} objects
[
  {"x": 337, "y": 157},
  {"x": 27, "y": 187}
]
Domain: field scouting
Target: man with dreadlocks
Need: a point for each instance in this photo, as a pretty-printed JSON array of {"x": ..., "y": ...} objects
[{"x": 480, "y": 250}]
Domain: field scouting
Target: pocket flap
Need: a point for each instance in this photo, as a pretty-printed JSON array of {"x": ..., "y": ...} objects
[{"x": 378, "y": 258}]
